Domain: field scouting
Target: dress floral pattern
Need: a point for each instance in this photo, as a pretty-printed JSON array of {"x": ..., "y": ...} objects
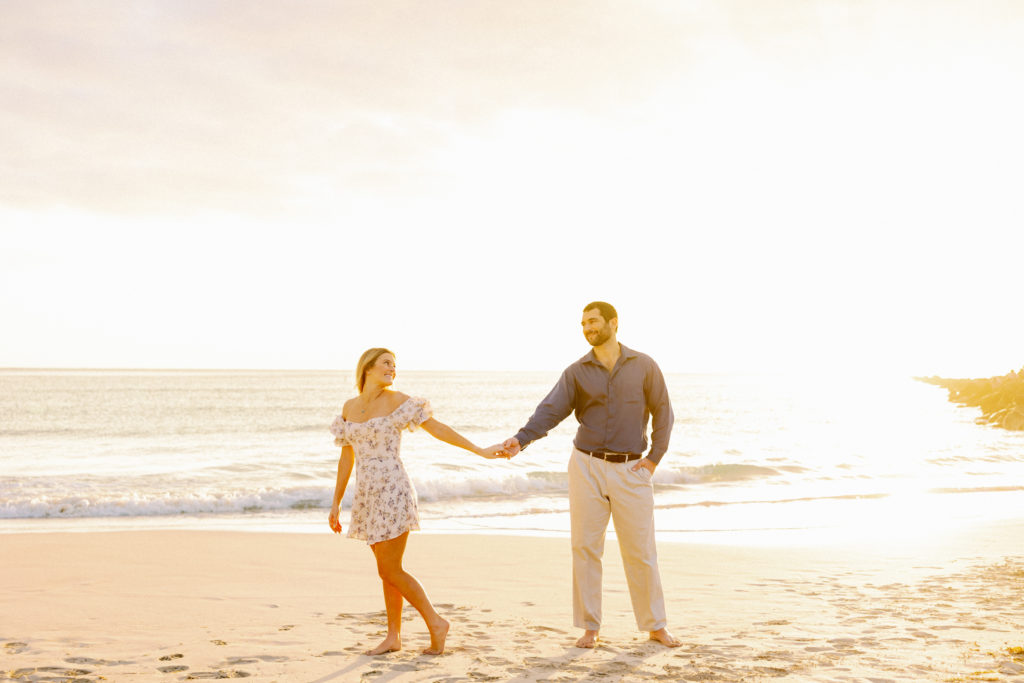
[{"x": 384, "y": 505}]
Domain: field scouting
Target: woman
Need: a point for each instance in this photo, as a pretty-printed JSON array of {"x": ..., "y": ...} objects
[{"x": 384, "y": 507}]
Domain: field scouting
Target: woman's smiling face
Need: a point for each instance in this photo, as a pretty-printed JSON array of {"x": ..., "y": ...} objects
[{"x": 383, "y": 371}]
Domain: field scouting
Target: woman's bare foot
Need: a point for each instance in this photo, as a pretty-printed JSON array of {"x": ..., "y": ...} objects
[
  {"x": 438, "y": 632},
  {"x": 588, "y": 639},
  {"x": 393, "y": 643},
  {"x": 665, "y": 638}
]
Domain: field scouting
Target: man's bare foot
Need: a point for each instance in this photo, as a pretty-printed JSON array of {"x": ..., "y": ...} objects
[
  {"x": 665, "y": 638},
  {"x": 588, "y": 639},
  {"x": 438, "y": 632},
  {"x": 390, "y": 644}
]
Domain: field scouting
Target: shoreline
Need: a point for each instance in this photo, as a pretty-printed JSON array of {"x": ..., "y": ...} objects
[
  {"x": 165, "y": 605},
  {"x": 824, "y": 520}
]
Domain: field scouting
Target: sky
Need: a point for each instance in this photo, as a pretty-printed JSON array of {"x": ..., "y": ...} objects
[{"x": 761, "y": 185}]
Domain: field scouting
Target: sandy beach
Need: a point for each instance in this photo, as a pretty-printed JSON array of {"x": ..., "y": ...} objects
[{"x": 184, "y": 605}]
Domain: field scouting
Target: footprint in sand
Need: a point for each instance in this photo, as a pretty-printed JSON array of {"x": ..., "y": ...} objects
[
  {"x": 89, "y": 661},
  {"x": 64, "y": 674},
  {"x": 235, "y": 661},
  {"x": 218, "y": 642},
  {"x": 168, "y": 658},
  {"x": 577, "y": 668},
  {"x": 612, "y": 668},
  {"x": 217, "y": 674},
  {"x": 774, "y": 654},
  {"x": 172, "y": 669},
  {"x": 289, "y": 627},
  {"x": 15, "y": 648},
  {"x": 540, "y": 663},
  {"x": 842, "y": 642},
  {"x": 771, "y": 671}
]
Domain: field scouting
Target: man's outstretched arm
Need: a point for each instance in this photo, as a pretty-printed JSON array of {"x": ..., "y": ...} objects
[{"x": 555, "y": 407}]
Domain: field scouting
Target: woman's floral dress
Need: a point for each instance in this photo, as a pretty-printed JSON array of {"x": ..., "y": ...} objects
[{"x": 384, "y": 505}]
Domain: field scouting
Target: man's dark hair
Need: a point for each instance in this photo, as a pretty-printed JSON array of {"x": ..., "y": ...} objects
[{"x": 607, "y": 310}]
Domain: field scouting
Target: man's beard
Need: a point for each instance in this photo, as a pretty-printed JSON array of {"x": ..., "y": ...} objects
[{"x": 603, "y": 335}]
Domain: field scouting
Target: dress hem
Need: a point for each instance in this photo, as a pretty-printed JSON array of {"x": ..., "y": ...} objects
[{"x": 363, "y": 537}]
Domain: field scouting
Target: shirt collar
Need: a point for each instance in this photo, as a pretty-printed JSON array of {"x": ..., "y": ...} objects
[{"x": 625, "y": 352}]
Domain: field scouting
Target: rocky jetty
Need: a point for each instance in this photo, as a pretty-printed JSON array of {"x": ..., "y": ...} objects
[{"x": 1001, "y": 399}]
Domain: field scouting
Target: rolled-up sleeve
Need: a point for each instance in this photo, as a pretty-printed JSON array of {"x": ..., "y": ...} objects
[
  {"x": 660, "y": 408},
  {"x": 555, "y": 407}
]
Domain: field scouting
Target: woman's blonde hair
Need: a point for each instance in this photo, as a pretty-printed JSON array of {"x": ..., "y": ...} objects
[{"x": 366, "y": 362}]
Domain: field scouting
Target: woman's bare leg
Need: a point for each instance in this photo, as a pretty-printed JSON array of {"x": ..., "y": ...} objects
[
  {"x": 389, "y": 565},
  {"x": 393, "y": 603}
]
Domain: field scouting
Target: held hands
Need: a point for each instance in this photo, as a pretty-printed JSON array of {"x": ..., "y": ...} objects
[
  {"x": 507, "y": 449},
  {"x": 493, "y": 452}
]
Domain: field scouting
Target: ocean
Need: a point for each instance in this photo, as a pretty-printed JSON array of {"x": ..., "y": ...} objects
[{"x": 753, "y": 458}]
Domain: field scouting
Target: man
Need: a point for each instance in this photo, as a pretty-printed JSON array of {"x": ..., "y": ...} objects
[{"x": 612, "y": 391}]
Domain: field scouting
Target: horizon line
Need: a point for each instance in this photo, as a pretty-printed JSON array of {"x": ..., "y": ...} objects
[{"x": 776, "y": 371}]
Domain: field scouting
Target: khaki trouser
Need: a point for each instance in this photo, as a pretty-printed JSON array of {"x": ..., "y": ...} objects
[{"x": 597, "y": 489}]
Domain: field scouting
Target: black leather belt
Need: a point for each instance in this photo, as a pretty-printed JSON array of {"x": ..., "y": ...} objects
[{"x": 611, "y": 456}]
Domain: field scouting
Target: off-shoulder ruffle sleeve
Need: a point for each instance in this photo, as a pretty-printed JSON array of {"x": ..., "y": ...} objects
[
  {"x": 413, "y": 413},
  {"x": 340, "y": 430}
]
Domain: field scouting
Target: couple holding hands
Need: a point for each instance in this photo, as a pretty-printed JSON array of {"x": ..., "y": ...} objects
[{"x": 612, "y": 390}]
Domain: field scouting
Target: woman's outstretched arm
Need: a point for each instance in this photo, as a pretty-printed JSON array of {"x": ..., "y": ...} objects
[
  {"x": 345, "y": 463},
  {"x": 443, "y": 432}
]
